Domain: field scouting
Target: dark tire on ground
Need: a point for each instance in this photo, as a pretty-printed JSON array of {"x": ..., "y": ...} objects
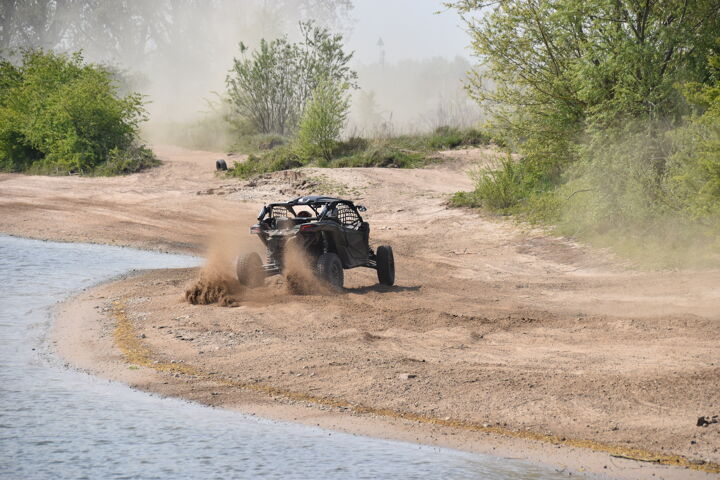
[
  {"x": 220, "y": 165},
  {"x": 385, "y": 265},
  {"x": 330, "y": 269},
  {"x": 249, "y": 270}
]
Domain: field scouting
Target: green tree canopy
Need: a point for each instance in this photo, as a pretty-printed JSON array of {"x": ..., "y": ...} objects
[
  {"x": 58, "y": 114},
  {"x": 271, "y": 86},
  {"x": 555, "y": 69}
]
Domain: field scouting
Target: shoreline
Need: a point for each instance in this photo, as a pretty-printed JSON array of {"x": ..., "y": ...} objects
[
  {"x": 96, "y": 337},
  {"x": 495, "y": 324}
]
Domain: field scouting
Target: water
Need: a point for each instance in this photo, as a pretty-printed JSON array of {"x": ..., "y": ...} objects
[{"x": 57, "y": 423}]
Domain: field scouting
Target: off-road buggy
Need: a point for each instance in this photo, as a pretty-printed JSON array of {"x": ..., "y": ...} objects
[{"x": 329, "y": 231}]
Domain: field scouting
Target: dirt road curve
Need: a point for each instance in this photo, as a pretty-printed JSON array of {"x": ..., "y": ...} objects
[{"x": 495, "y": 324}]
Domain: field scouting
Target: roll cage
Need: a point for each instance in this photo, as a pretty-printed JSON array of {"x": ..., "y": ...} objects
[{"x": 342, "y": 211}]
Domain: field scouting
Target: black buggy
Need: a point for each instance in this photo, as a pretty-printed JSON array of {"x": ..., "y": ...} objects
[{"x": 329, "y": 230}]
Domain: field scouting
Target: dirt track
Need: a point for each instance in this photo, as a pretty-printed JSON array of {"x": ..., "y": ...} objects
[{"x": 501, "y": 326}]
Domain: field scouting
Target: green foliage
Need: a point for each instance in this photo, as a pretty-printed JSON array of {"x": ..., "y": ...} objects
[
  {"x": 271, "y": 86},
  {"x": 405, "y": 151},
  {"x": 323, "y": 121},
  {"x": 383, "y": 154},
  {"x": 280, "y": 158},
  {"x": 59, "y": 115},
  {"x": 613, "y": 106},
  {"x": 131, "y": 160},
  {"x": 557, "y": 71},
  {"x": 449, "y": 137},
  {"x": 498, "y": 188},
  {"x": 258, "y": 142},
  {"x": 693, "y": 171}
]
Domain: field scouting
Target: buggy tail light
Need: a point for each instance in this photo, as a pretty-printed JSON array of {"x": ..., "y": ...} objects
[
  {"x": 310, "y": 227},
  {"x": 255, "y": 229}
]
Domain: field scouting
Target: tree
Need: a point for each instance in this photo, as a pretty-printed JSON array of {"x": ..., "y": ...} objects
[
  {"x": 58, "y": 115},
  {"x": 563, "y": 68},
  {"x": 272, "y": 85},
  {"x": 127, "y": 30},
  {"x": 323, "y": 121}
]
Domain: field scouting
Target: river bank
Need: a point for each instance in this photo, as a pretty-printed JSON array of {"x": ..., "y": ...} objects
[
  {"x": 62, "y": 424},
  {"x": 156, "y": 342},
  {"x": 495, "y": 337}
]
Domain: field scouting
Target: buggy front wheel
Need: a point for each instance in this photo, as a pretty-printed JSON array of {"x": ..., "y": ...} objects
[{"x": 385, "y": 265}]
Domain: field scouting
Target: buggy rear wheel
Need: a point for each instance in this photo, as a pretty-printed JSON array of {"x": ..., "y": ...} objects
[
  {"x": 385, "y": 265},
  {"x": 249, "y": 270},
  {"x": 330, "y": 269}
]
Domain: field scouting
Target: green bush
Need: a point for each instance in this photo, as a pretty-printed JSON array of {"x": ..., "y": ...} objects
[
  {"x": 271, "y": 86},
  {"x": 259, "y": 142},
  {"x": 130, "y": 160},
  {"x": 351, "y": 146},
  {"x": 404, "y": 151},
  {"x": 323, "y": 121},
  {"x": 280, "y": 158},
  {"x": 498, "y": 189},
  {"x": 59, "y": 115},
  {"x": 693, "y": 170},
  {"x": 450, "y": 137},
  {"x": 383, "y": 155}
]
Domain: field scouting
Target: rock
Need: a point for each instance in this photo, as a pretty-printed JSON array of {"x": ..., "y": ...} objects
[
  {"x": 705, "y": 421},
  {"x": 407, "y": 376}
]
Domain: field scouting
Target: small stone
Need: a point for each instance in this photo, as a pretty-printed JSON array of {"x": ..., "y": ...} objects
[{"x": 705, "y": 421}]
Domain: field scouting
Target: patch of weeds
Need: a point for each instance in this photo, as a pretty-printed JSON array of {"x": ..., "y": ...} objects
[
  {"x": 448, "y": 138},
  {"x": 404, "y": 151},
  {"x": 280, "y": 158},
  {"x": 258, "y": 143},
  {"x": 130, "y": 160}
]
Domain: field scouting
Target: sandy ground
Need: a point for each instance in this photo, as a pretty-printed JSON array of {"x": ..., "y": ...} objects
[{"x": 495, "y": 336}]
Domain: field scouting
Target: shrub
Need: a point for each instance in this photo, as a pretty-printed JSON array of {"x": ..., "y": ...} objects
[
  {"x": 351, "y": 146},
  {"x": 323, "y": 121},
  {"x": 693, "y": 171},
  {"x": 271, "y": 86},
  {"x": 280, "y": 158},
  {"x": 405, "y": 151},
  {"x": 259, "y": 142},
  {"x": 497, "y": 189},
  {"x": 450, "y": 137},
  {"x": 130, "y": 160},
  {"x": 383, "y": 155},
  {"x": 59, "y": 115}
]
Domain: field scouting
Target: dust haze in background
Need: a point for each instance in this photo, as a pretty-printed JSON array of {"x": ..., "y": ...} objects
[{"x": 178, "y": 53}]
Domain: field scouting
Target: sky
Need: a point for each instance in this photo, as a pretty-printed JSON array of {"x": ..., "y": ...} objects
[{"x": 409, "y": 29}]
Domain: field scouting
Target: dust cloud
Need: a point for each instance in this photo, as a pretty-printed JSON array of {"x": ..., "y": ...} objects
[
  {"x": 299, "y": 272},
  {"x": 217, "y": 281}
]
